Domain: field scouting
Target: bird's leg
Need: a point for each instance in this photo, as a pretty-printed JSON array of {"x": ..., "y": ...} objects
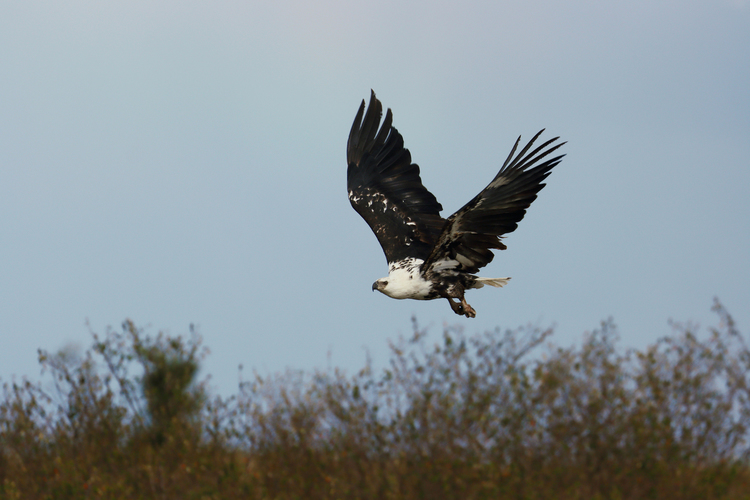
[
  {"x": 462, "y": 308},
  {"x": 469, "y": 311},
  {"x": 457, "y": 308}
]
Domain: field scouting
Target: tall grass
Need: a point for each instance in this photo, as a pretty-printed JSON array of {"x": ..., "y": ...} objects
[{"x": 499, "y": 415}]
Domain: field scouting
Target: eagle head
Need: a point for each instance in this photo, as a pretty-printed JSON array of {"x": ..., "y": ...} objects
[{"x": 380, "y": 285}]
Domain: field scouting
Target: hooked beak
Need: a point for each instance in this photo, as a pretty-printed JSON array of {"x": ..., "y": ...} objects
[{"x": 374, "y": 286}]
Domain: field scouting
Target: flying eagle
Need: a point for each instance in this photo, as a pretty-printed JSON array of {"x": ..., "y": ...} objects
[{"x": 428, "y": 256}]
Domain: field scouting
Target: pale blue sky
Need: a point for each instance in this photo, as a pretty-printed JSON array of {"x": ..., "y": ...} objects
[{"x": 184, "y": 162}]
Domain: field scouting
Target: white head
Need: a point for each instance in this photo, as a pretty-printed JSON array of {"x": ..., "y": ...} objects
[
  {"x": 403, "y": 284},
  {"x": 381, "y": 285},
  {"x": 404, "y": 281}
]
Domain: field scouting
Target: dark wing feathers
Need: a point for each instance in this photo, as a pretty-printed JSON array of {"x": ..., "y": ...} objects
[
  {"x": 385, "y": 187},
  {"x": 386, "y": 190},
  {"x": 363, "y": 138},
  {"x": 475, "y": 229}
]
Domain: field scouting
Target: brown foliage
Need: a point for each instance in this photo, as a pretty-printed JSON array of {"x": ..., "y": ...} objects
[{"x": 499, "y": 415}]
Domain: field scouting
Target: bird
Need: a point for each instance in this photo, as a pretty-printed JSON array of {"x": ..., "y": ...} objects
[{"x": 430, "y": 257}]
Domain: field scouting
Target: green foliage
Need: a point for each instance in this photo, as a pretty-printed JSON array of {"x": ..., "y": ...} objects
[{"x": 499, "y": 415}]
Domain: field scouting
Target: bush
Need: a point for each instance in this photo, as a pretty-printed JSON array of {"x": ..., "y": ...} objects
[{"x": 499, "y": 415}]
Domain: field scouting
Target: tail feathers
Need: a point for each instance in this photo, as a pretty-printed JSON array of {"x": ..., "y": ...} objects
[{"x": 497, "y": 282}]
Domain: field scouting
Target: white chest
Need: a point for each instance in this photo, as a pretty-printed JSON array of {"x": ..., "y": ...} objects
[{"x": 406, "y": 282}]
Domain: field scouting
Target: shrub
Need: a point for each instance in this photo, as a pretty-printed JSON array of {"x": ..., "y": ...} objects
[{"x": 498, "y": 415}]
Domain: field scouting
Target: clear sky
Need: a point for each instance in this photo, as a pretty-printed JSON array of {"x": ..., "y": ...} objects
[{"x": 179, "y": 162}]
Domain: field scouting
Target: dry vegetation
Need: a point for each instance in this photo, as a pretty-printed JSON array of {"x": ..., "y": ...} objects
[{"x": 501, "y": 415}]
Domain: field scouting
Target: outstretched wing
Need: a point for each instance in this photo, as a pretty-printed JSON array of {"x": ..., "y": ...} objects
[
  {"x": 471, "y": 233},
  {"x": 386, "y": 190}
]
